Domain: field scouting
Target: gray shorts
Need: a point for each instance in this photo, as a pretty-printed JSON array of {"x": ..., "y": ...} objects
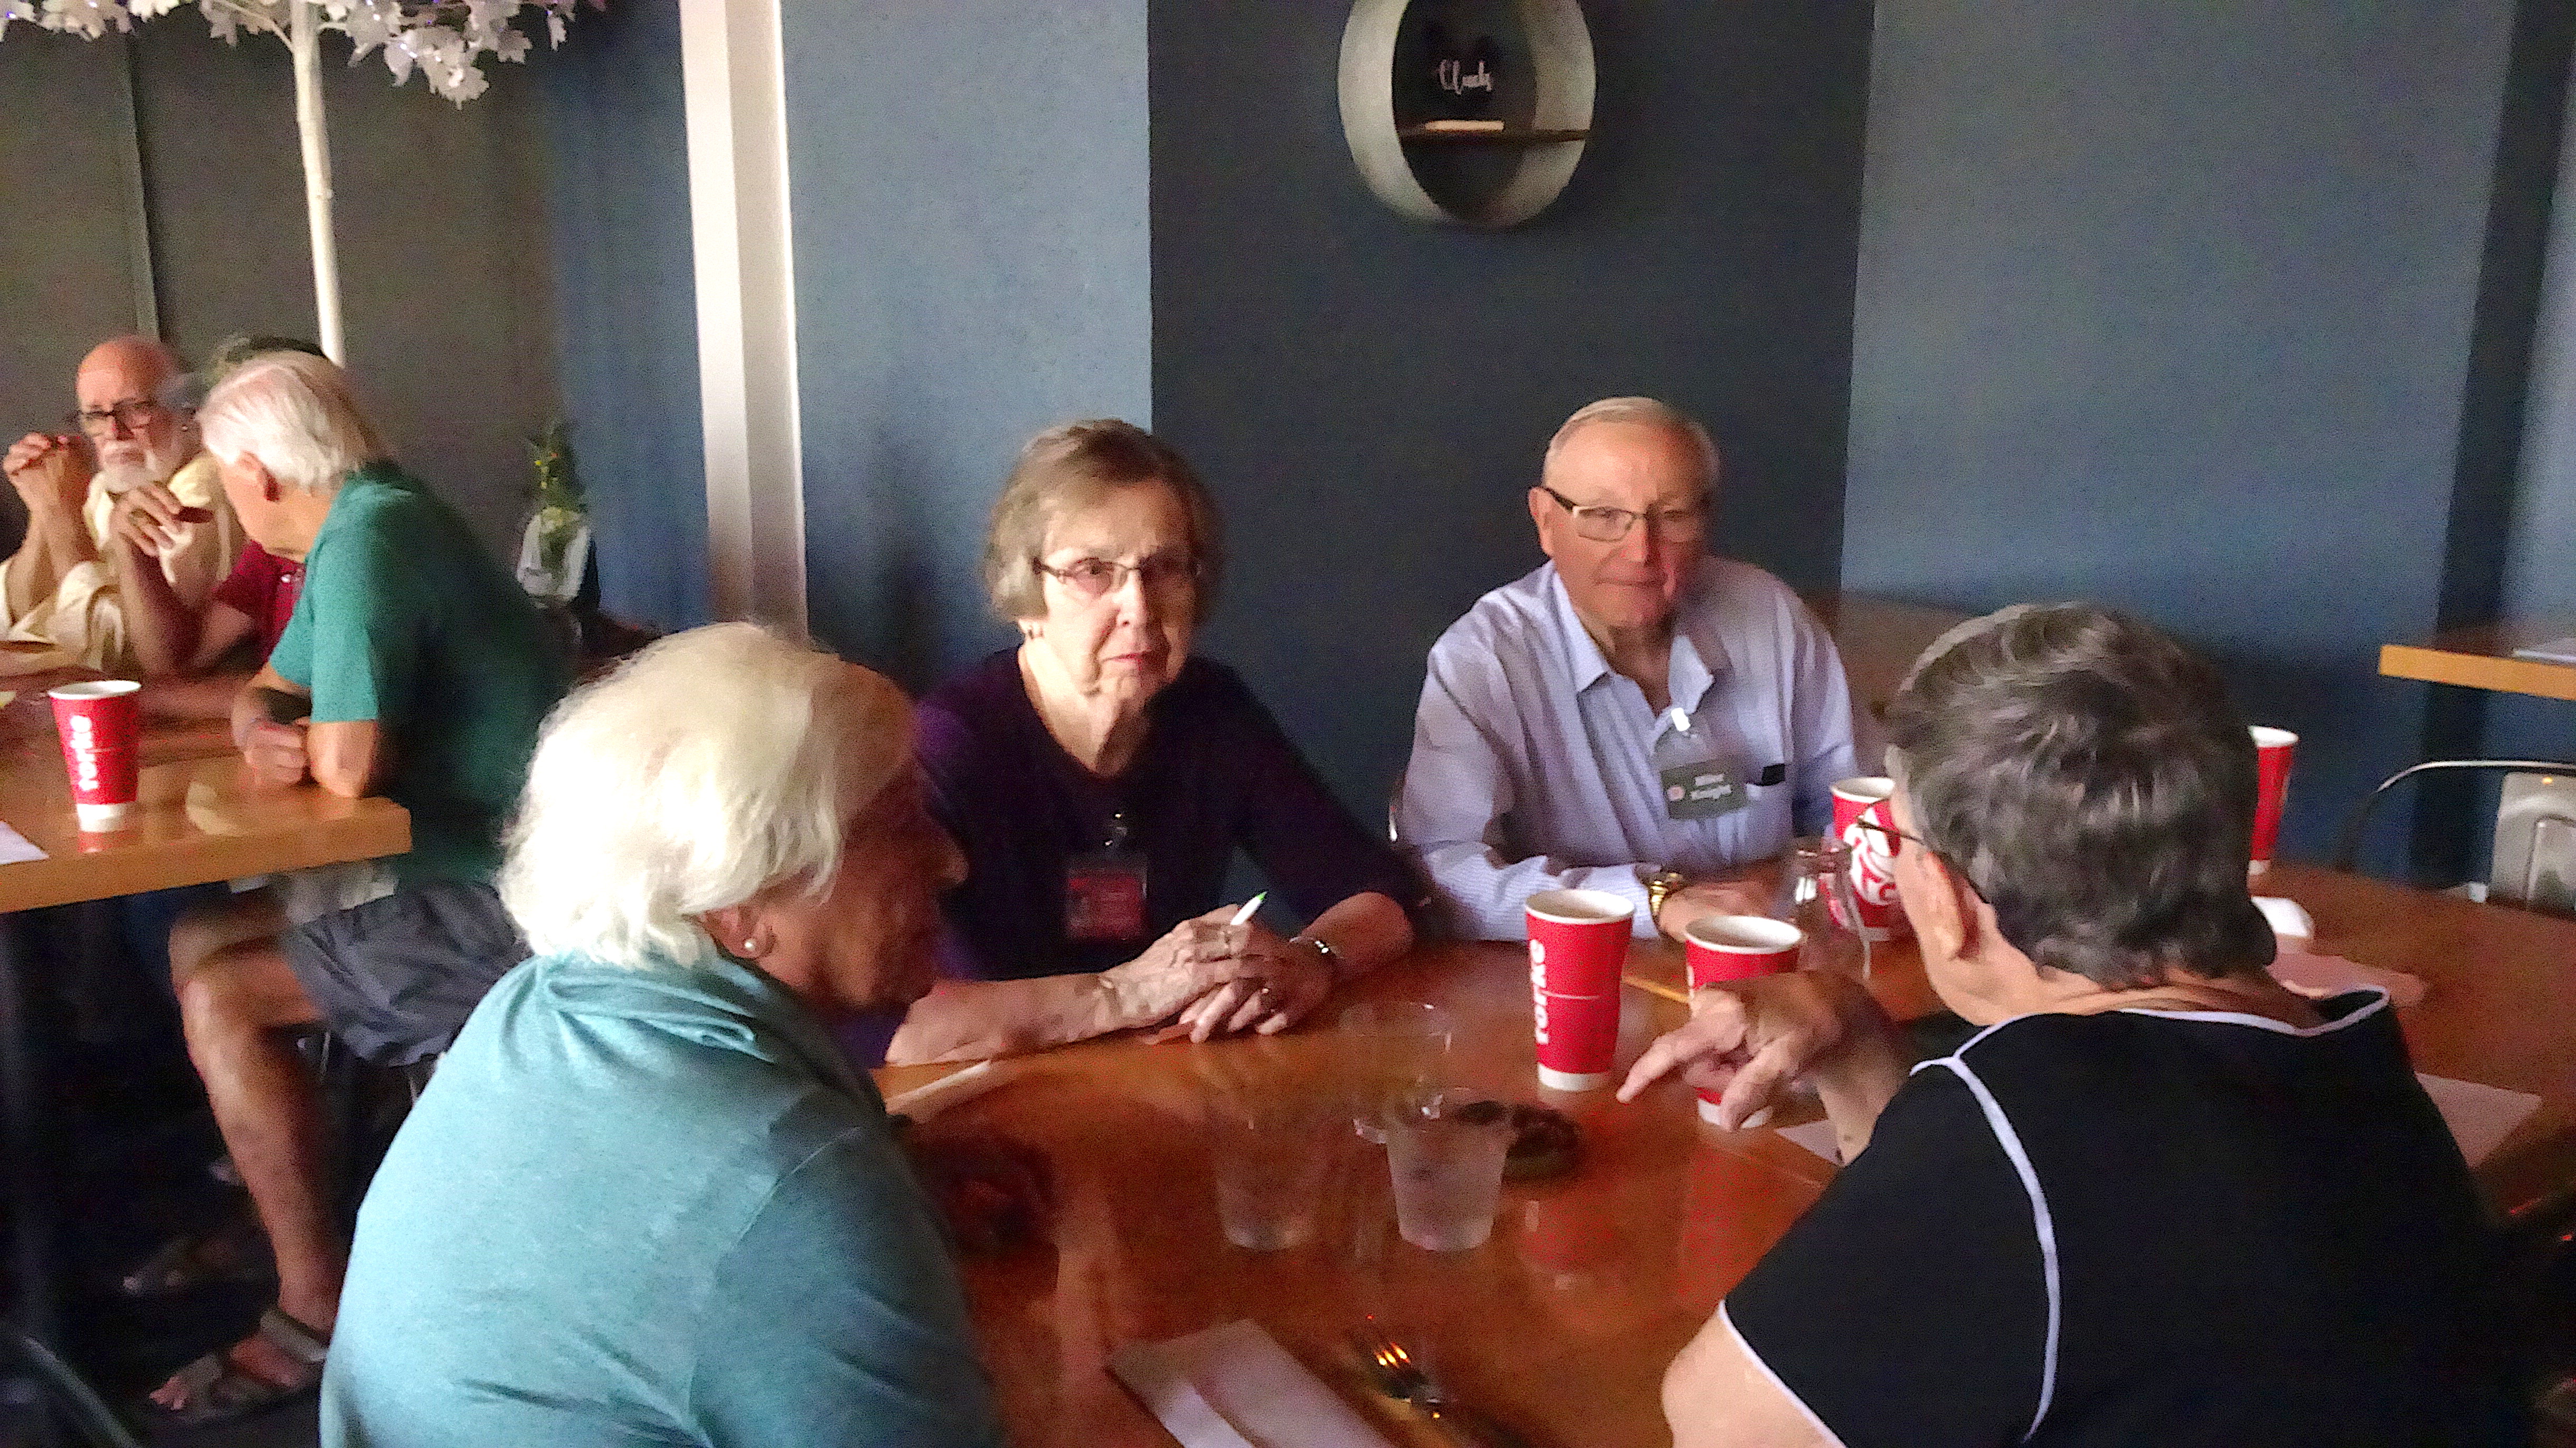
[{"x": 395, "y": 978}]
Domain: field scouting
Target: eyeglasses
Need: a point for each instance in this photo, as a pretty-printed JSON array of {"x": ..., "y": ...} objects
[
  {"x": 1609, "y": 525},
  {"x": 1094, "y": 578},
  {"x": 133, "y": 415},
  {"x": 1890, "y": 836}
]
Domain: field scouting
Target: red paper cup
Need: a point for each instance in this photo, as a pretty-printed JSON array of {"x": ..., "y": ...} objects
[
  {"x": 1737, "y": 947},
  {"x": 2272, "y": 749},
  {"x": 1873, "y": 868},
  {"x": 1578, "y": 941},
  {"x": 101, "y": 725}
]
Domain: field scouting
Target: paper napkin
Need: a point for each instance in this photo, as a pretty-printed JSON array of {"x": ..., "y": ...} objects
[
  {"x": 2480, "y": 1117},
  {"x": 1234, "y": 1386},
  {"x": 15, "y": 847}
]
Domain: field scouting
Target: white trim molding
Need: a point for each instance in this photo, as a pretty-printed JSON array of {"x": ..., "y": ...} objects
[{"x": 733, "y": 65}]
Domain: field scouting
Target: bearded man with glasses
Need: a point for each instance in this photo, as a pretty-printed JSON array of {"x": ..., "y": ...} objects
[
  {"x": 1634, "y": 716},
  {"x": 119, "y": 502}
]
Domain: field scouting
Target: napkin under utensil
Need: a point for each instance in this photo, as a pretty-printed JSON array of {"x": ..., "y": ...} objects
[{"x": 1234, "y": 1386}]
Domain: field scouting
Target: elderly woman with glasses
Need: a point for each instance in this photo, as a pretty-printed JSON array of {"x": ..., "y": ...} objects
[
  {"x": 647, "y": 1200},
  {"x": 2158, "y": 1198},
  {"x": 1100, "y": 779}
]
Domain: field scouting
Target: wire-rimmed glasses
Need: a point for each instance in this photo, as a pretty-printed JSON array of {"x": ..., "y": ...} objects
[
  {"x": 1604, "y": 524},
  {"x": 1094, "y": 578}
]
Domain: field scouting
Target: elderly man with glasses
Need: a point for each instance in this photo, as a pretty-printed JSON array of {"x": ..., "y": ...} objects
[
  {"x": 1634, "y": 716},
  {"x": 127, "y": 505}
]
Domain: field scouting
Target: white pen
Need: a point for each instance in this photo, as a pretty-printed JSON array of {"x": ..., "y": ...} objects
[{"x": 1245, "y": 914}]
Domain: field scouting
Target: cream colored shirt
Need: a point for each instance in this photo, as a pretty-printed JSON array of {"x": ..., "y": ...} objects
[{"x": 83, "y": 621}]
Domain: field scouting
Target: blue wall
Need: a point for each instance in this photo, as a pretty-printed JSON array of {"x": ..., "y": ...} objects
[
  {"x": 2174, "y": 307},
  {"x": 2539, "y": 579},
  {"x": 618, "y": 200},
  {"x": 970, "y": 218},
  {"x": 1369, "y": 396}
]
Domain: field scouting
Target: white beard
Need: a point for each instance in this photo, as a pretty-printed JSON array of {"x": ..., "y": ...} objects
[{"x": 155, "y": 468}]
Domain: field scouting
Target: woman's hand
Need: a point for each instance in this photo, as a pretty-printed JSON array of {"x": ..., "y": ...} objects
[
  {"x": 1292, "y": 980},
  {"x": 1193, "y": 958},
  {"x": 1747, "y": 1039}
]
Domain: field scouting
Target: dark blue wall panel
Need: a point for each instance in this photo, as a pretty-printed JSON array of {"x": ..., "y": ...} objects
[
  {"x": 624, "y": 283},
  {"x": 2173, "y": 307},
  {"x": 970, "y": 218},
  {"x": 1369, "y": 396}
]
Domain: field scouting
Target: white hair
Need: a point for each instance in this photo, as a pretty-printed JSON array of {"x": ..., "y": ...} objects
[
  {"x": 1645, "y": 412},
  {"x": 710, "y": 767},
  {"x": 297, "y": 415}
]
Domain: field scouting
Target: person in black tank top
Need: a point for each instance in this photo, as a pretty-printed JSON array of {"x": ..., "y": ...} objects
[{"x": 2158, "y": 1198}]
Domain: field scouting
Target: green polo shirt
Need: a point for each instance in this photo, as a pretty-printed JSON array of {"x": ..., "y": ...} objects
[
  {"x": 404, "y": 620},
  {"x": 649, "y": 1207}
]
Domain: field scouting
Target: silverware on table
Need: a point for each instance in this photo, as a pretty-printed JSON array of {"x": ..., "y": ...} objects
[{"x": 1392, "y": 1371}]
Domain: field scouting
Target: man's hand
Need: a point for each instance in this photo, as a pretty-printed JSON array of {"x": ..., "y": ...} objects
[
  {"x": 51, "y": 472},
  {"x": 148, "y": 519},
  {"x": 991, "y": 1190},
  {"x": 275, "y": 753},
  {"x": 1747, "y": 1039}
]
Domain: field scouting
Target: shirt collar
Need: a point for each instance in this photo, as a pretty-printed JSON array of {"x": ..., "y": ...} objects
[{"x": 1699, "y": 656}]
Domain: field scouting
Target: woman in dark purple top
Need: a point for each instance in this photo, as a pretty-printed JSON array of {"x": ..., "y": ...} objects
[{"x": 1099, "y": 780}]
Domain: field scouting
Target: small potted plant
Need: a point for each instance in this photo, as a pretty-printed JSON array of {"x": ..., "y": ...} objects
[{"x": 556, "y": 547}]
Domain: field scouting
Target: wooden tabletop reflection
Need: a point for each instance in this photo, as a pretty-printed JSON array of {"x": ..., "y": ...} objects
[
  {"x": 1562, "y": 1323},
  {"x": 199, "y": 817}
]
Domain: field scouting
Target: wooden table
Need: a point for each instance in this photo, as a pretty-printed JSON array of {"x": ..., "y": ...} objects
[
  {"x": 1562, "y": 1324},
  {"x": 2482, "y": 658},
  {"x": 200, "y": 820}
]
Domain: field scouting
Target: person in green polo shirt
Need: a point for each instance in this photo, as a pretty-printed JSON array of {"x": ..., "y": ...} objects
[{"x": 413, "y": 667}]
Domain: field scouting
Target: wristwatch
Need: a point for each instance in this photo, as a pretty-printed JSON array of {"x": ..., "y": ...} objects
[
  {"x": 1660, "y": 885},
  {"x": 1324, "y": 950}
]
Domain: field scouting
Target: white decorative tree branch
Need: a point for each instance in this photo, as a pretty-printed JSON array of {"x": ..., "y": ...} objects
[{"x": 444, "y": 40}]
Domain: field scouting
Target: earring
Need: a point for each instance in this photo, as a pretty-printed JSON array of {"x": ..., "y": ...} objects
[{"x": 751, "y": 947}]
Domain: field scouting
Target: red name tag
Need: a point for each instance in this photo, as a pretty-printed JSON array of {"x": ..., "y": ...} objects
[{"x": 1104, "y": 898}]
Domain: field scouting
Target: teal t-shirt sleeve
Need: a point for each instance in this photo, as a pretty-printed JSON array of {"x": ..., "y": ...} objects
[
  {"x": 837, "y": 1318},
  {"x": 365, "y": 648}
]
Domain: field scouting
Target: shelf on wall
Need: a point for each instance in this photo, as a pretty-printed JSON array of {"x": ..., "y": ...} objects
[{"x": 1521, "y": 136}]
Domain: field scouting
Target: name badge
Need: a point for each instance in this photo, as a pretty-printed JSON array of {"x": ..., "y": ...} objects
[
  {"x": 1104, "y": 896},
  {"x": 1703, "y": 790}
]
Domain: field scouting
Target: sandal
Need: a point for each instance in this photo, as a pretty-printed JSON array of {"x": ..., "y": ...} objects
[{"x": 219, "y": 1391}]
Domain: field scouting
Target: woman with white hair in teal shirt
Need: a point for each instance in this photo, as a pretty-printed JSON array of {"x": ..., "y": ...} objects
[{"x": 646, "y": 1199}]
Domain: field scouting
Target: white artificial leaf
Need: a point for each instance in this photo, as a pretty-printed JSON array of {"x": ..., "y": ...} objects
[
  {"x": 398, "y": 57},
  {"x": 368, "y": 26},
  {"x": 555, "y": 29},
  {"x": 466, "y": 84}
]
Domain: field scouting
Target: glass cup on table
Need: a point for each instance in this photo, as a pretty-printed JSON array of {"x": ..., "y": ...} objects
[
  {"x": 1393, "y": 1053},
  {"x": 1445, "y": 1159},
  {"x": 1269, "y": 1161},
  {"x": 1816, "y": 896}
]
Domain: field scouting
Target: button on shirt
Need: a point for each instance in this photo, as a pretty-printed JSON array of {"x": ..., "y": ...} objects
[{"x": 1534, "y": 762}]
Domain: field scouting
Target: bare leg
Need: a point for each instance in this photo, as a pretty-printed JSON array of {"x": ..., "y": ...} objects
[{"x": 237, "y": 997}]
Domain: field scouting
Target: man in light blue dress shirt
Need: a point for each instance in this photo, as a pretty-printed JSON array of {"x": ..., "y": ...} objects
[{"x": 1634, "y": 708}]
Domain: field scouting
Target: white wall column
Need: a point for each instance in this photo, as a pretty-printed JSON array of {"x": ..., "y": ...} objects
[{"x": 735, "y": 72}]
